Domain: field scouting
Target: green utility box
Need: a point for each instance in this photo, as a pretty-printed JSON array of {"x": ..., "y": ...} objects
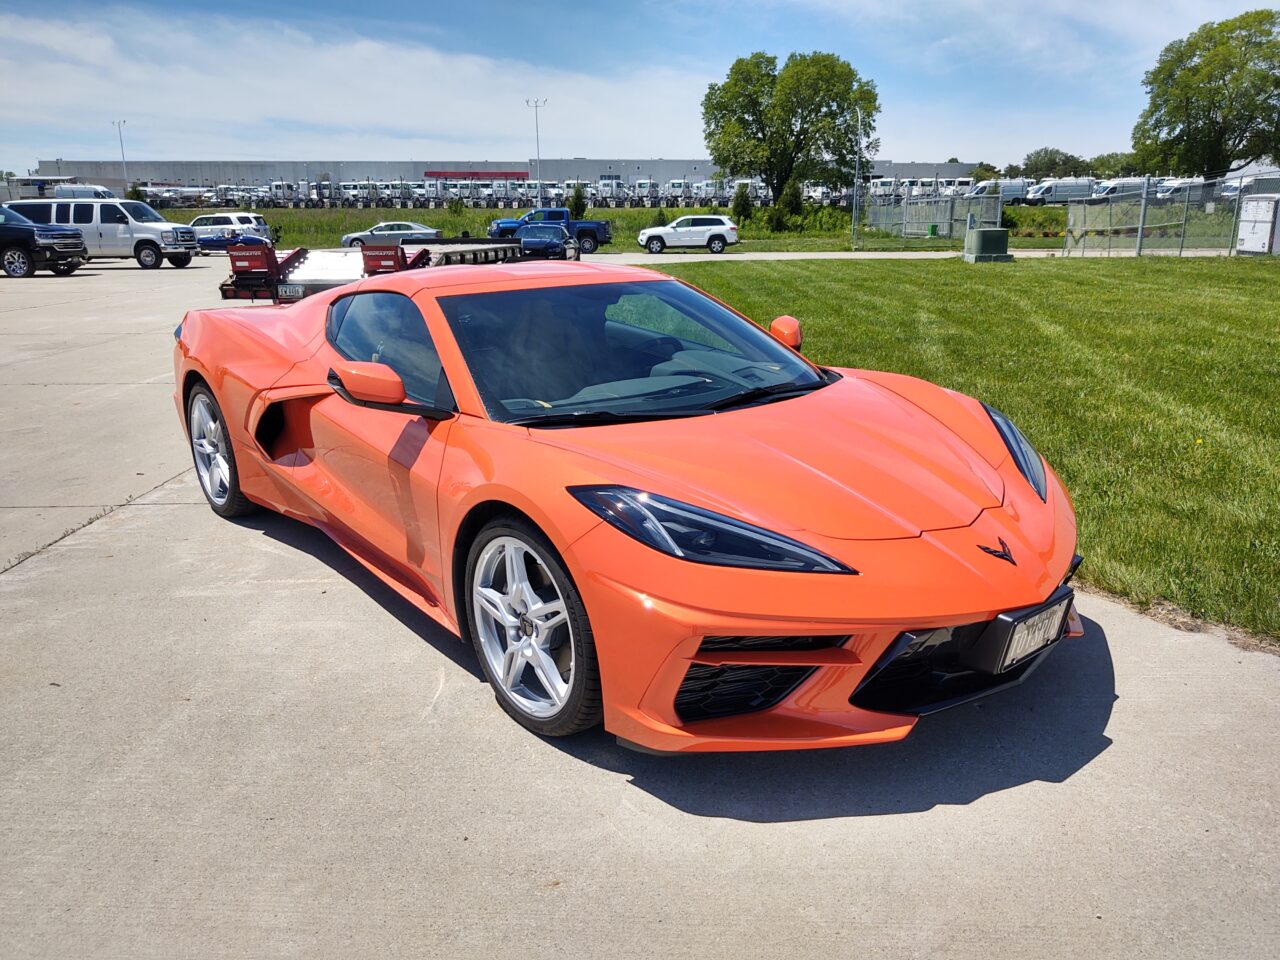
[{"x": 986, "y": 245}]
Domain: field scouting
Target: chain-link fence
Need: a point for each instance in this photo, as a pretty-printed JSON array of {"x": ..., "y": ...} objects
[
  {"x": 1171, "y": 217},
  {"x": 943, "y": 217}
]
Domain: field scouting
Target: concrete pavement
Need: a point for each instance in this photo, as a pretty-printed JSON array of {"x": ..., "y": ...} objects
[{"x": 227, "y": 739}]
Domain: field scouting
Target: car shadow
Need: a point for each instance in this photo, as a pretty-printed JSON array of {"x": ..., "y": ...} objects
[
  {"x": 1045, "y": 729},
  {"x": 309, "y": 540}
]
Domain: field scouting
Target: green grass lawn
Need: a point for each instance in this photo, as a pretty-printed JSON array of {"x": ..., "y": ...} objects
[{"x": 1152, "y": 386}]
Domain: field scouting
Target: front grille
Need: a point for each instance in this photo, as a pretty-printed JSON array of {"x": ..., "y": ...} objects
[
  {"x": 741, "y": 644},
  {"x": 185, "y": 235},
  {"x": 68, "y": 243},
  {"x": 720, "y": 691}
]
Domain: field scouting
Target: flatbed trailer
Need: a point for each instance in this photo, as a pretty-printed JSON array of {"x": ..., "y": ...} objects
[{"x": 262, "y": 273}]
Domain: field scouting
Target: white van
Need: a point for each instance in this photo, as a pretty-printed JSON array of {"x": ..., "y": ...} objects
[
  {"x": 1010, "y": 191},
  {"x": 1060, "y": 190},
  {"x": 91, "y": 191},
  {"x": 118, "y": 229},
  {"x": 1110, "y": 188}
]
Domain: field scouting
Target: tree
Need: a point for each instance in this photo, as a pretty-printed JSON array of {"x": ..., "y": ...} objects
[
  {"x": 741, "y": 208},
  {"x": 1051, "y": 162},
  {"x": 1214, "y": 99},
  {"x": 577, "y": 203},
  {"x": 953, "y": 159},
  {"x": 984, "y": 171},
  {"x": 1109, "y": 165},
  {"x": 1013, "y": 170},
  {"x": 791, "y": 202},
  {"x": 798, "y": 122}
]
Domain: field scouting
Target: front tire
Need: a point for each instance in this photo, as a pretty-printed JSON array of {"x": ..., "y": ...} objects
[
  {"x": 180, "y": 259},
  {"x": 148, "y": 256},
  {"x": 357, "y": 243},
  {"x": 64, "y": 269},
  {"x": 17, "y": 263},
  {"x": 530, "y": 630},
  {"x": 656, "y": 245},
  {"x": 213, "y": 455}
]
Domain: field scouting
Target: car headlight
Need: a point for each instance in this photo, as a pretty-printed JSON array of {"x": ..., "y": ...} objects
[
  {"x": 1029, "y": 462},
  {"x": 166, "y": 236},
  {"x": 691, "y": 533}
]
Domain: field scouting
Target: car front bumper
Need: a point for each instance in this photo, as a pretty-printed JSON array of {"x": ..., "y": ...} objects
[
  {"x": 43, "y": 256},
  {"x": 729, "y": 659}
]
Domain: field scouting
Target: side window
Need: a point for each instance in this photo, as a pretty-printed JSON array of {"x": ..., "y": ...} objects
[
  {"x": 82, "y": 213},
  {"x": 538, "y": 217},
  {"x": 707, "y": 222},
  {"x": 113, "y": 214},
  {"x": 388, "y": 328},
  {"x": 220, "y": 222},
  {"x": 682, "y": 223},
  {"x": 36, "y": 212},
  {"x": 201, "y": 221},
  {"x": 62, "y": 213}
]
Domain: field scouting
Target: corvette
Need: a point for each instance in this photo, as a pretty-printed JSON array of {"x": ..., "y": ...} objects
[{"x": 639, "y": 507}]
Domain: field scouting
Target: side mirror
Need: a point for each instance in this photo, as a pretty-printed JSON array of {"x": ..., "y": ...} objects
[
  {"x": 367, "y": 383},
  {"x": 787, "y": 329}
]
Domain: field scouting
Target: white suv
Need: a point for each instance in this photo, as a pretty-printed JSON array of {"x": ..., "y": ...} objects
[
  {"x": 217, "y": 224},
  {"x": 713, "y": 232}
]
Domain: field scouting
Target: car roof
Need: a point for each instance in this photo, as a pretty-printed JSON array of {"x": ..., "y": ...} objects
[{"x": 506, "y": 276}]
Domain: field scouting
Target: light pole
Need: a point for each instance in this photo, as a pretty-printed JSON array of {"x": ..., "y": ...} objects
[
  {"x": 537, "y": 103},
  {"x": 124, "y": 167}
]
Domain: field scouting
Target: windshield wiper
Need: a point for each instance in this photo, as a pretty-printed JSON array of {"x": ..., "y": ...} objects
[
  {"x": 777, "y": 391},
  {"x": 586, "y": 418}
]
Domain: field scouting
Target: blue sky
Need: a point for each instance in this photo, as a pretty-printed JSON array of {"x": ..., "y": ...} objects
[{"x": 257, "y": 80}]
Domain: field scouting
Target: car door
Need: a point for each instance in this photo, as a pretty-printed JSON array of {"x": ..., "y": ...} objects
[
  {"x": 83, "y": 218},
  {"x": 681, "y": 231},
  {"x": 115, "y": 232},
  {"x": 385, "y": 465}
]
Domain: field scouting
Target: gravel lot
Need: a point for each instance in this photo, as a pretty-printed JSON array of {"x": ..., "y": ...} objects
[{"x": 223, "y": 739}]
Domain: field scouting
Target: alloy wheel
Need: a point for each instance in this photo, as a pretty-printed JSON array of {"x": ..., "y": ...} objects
[
  {"x": 523, "y": 625},
  {"x": 208, "y": 443}
]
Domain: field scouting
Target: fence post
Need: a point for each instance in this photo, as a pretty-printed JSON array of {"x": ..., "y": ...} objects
[
  {"x": 951, "y": 218},
  {"x": 1142, "y": 213},
  {"x": 906, "y": 206},
  {"x": 1186, "y": 205},
  {"x": 1110, "y": 204},
  {"x": 1235, "y": 219}
]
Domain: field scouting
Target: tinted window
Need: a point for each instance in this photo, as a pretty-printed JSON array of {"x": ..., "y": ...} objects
[
  {"x": 112, "y": 214},
  {"x": 707, "y": 222},
  {"x": 641, "y": 348},
  {"x": 36, "y": 212},
  {"x": 681, "y": 223},
  {"x": 62, "y": 213},
  {"x": 219, "y": 221},
  {"x": 83, "y": 213},
  {"x": 388, "y": 328}
]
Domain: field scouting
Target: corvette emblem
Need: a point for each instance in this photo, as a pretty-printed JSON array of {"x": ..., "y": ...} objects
[{"x": 1003, "y": 553}]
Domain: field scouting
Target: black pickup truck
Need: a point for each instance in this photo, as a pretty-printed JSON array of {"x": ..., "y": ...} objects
[{"x": 26, "y": 247}]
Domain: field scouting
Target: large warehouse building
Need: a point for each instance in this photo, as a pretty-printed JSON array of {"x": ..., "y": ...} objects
[{"x": 250, "y": 172}]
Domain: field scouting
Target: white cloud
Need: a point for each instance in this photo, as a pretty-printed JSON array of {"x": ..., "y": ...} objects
[{"x": 211, "y": 87}]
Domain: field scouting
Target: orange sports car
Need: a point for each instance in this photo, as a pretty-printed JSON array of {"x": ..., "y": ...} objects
[{"x": 640, "y": 507}]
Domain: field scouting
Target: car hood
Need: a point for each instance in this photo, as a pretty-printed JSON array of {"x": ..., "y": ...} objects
[{"x": 853, "y": 460}]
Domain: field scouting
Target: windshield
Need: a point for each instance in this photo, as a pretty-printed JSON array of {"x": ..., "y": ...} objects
[
  {"x": 644, "y": 349},
  {"x": 141, "y": 213},
  {"x": 541, "y": 232},
  {"x": 13, "y": 216}
]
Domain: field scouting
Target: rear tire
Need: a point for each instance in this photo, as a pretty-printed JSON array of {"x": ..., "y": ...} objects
[
  {"x": 656, "y": 245},
  {"x": 587, "y": 243},
  {"x": 180, "y": 259},
  {"x": 518, "y": 650},
  {"x": 214, "y": 456},
  {"x": 148, "y": 256},
  {"x": 716, "y": 244},
  {"x": 17, "y": 263}
]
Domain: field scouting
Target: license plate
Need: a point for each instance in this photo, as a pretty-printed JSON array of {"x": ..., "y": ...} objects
[
  {"x": 291, "y": 291},
  {"x": 1033, "y": 634}
]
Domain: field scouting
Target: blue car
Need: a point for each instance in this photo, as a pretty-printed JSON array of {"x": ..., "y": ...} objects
[
  {"x": 220, "y": 242},
  {"x": 549, "y": 241}
]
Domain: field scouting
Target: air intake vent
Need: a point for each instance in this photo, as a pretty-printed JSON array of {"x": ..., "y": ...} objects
[
  {"x": 721, "y": 691},
  {"x": 740, "y": 644}
]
